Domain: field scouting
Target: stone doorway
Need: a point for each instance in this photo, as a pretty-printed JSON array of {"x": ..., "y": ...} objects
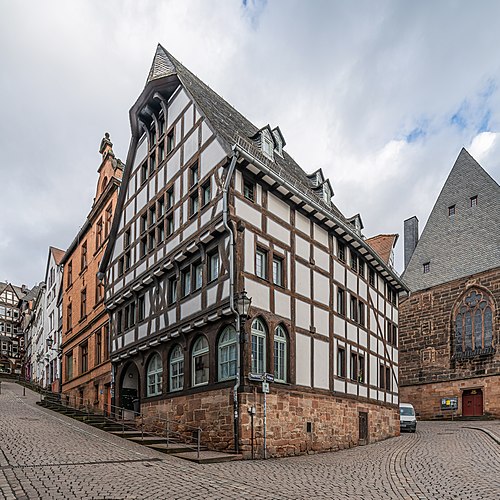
[
  {"x": 472, "y": 403},
  {"x": 129, "y": 392}
]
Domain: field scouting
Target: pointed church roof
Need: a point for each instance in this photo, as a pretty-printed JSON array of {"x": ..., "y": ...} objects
[{"x": 464, "y": 240}]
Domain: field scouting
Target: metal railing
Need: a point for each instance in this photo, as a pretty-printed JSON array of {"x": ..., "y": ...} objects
[{"x": 129, "y": 420}]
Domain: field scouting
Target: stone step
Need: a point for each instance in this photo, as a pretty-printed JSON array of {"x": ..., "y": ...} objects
[
  {"x": 126, "y": 433},
  {"x": 147, "y": 440},
  {"x": 208, "y": 457},
  {"x": 172, "y": 447}
]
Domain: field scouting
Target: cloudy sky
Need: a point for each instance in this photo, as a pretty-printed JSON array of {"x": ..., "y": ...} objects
[{"x": 380, "y": 94}]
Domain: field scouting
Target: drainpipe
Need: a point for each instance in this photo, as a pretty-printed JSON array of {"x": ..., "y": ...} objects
[{"x": 225, "y": 214}]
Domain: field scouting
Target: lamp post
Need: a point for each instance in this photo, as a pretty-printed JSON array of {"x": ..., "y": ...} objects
[{"x": 242, "y": 305}]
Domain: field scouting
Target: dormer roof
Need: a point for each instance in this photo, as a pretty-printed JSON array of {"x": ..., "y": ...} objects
[{"x": 384, "y": 245}]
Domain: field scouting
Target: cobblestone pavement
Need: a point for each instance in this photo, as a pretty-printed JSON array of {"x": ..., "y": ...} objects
[{"x": 47, "y": 455}]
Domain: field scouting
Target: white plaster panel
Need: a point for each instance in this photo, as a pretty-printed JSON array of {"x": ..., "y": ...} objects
[
  {"x": 206, "y": 133},
  {"x": 143, "y": 331},
  {"x": 249, "y": 252},
  {"x": 118, "y": 285},
  {"x": 339, "y": 326},
  {"x": 282, "y": 304},
  {"x": 362, "y": 289},
  {"x": 302, "y": 279},
  {"x": 338, "y": 386},
  {"x": 141, "y": 152},
  {"x": 322, "y": 321},
  {"x": 190, "y": 229},
  {"x": 141, "y": 199},
  {"x": 373, "y": 321},
  {"x": 128, "y": 338},
  {"x": 363, "y": 391},
  {"x": 188, "y": 120},
  {"x": 172, "y": 243},
  {"x": 258, "y": 195},
  {"x": 339, "y": 272},
  {"x": 191, "y": 146},
  {"x": 162, "y": 322},
  {"x": 395, "y": 316},
  {"x": 172, "y": 316},
  {"x": 129, "y": 278},
  {"x": 321, "y": 290},
  {"x": 363, "y": 338},
  {"x": 247, "y": 213},
  {"x": 191, "y": 306},
  {"x": 212, "y": 155},
  {"x": 320, "y": 235},
  {"x": 321, "y": 364},
  {"x": 352, "y": 281},
  {"x": 302, "y": 314},
  {"x": 225, "y": 289},
  {"x": 173, "y": 166},
  {"x": 373, "y": 370},
  {"x": 238, "y": 181},
  {"x": 175, "y": 107},
  {"x": 302, "y": 247},
  {"x": 381, "y": 349},
  {"x": 303, "y": 363},
  {"x": 381, "y": 304},
  {"x": 259, "y": 294},
  {"x": 278, "y": 231},
  {"x": 373, "y": 393},
  {"x": 197, "y": 115},
  {"x": 278, "y": 208},
  {"x": 206, "y": 217},
  {"x": 322, "y": 259},
  {"x": 352, "y": 388},
  {"x": 352, "y": 333},
  {"x": 178, "y": 132},
  {"x": 302, "y": 223}
]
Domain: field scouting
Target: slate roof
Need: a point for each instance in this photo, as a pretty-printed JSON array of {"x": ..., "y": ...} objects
[
  {"x": 227, "y": 121},
  {"x": 17, "y": 289},
  {"x": 383, "y": 245},
  {"x": 467, "y": 242}
]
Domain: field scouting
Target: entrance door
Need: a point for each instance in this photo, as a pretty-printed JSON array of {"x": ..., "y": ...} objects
[
  {"x": 472, "y": 403},
  {"x": 363, "y": 427}
]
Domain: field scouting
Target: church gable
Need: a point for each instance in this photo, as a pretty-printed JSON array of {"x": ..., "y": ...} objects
[{"x": 461, "y": 236}]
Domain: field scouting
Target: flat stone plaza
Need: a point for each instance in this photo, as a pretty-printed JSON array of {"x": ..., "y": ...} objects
[{"x": 48, "y": 455}]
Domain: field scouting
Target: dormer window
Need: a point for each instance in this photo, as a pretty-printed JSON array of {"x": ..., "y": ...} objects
[
  {"x": 279, "y": 141},
  {"x": 267, "y": 146},
  {"x": 327, "y": 195}
]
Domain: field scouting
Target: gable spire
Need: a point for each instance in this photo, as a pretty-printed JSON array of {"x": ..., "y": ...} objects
[{"x": 162, "y": 65}]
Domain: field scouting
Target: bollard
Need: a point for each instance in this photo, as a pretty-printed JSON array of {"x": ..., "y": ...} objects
[
  {"x": 0, "y": 387},
  {"x": 24, "y": 390}
]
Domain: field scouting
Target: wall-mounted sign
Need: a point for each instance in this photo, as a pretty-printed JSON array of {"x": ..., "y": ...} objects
[{"x": 449, "y": 403}]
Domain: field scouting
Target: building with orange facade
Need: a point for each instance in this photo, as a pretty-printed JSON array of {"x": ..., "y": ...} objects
[{"x": 86, "y": 369}]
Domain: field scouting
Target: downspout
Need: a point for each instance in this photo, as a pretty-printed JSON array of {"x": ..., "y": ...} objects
[{"x": 232, "y": 243}]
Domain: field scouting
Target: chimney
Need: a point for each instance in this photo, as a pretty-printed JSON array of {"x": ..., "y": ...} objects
[{"x": 410, "y": 238}]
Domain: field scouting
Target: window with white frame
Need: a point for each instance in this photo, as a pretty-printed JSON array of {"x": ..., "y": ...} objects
[
  {"x": 154, "y": 376},
  {"x": 200, "y": 360},
  {"x": 280, "y": 354},
  {"x": 261, "y": 263},
  {"x": 258, "y": 346},
  {"x": 213, "y": 266},
  {"x": 177, "y": 369},
  {"x": 227, "y": 353}
]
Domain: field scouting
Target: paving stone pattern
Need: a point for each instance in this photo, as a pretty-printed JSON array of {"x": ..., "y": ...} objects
[{"x": 48, "y": 455}]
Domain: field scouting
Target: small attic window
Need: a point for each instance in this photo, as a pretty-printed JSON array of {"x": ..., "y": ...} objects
[
  {"x": 279, "y": 142},
  {"x": 327, "y": 195},
  {"x": 267, "y": 146}
]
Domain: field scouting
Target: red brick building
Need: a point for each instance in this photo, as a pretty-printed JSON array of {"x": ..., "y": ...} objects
[
  {"x": 449, "y": 357},
  {"x": 86, "y": 368}
]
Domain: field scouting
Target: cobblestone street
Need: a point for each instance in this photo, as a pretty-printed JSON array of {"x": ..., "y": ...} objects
[{"x": 47, "y": 455}]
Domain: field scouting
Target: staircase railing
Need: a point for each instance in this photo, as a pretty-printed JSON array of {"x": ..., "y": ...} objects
[{"x": 158, "y": 426}]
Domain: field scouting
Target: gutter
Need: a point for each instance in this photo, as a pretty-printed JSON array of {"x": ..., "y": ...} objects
[{"x": 225, "y": 216}]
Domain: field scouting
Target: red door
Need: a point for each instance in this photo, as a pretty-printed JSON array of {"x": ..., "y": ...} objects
[{"x": 472, "y": 403}]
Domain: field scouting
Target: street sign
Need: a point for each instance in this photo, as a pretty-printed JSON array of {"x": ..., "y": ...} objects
[
  {"x": 269, "y": 377},
  {"x": 255, "y": 377},
  {"x": 265, "y": 387}
]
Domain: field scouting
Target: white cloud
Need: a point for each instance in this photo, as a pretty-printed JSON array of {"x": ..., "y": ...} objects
[{"x": 365, "y": 90}]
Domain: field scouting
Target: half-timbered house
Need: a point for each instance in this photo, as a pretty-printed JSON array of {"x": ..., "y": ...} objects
[{"x": 213, "y": 213}]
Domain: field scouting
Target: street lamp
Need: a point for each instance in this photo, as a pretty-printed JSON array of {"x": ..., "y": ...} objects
[{"x": 243, "y": 305}]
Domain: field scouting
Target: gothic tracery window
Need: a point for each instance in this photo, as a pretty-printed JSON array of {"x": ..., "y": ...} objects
[{"x": 474, "y": 323}]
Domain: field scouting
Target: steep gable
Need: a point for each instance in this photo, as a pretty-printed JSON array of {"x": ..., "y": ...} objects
[{"x": 461, "y": 236}]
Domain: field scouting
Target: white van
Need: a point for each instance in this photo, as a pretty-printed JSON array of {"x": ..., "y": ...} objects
[{"x": 407, "y": 418}]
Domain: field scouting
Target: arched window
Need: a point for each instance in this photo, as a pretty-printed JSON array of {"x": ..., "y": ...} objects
[
  {"x": 155, "y": 373},
  {"x": 200, "y": 361},
  {"x": 474, "y": 323},
  {"x": 177, "y": 369},
  {"x": 258, "y": 346},
  {"x": 227, "y": 353},
  {"x": 280, "y": 354}
]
